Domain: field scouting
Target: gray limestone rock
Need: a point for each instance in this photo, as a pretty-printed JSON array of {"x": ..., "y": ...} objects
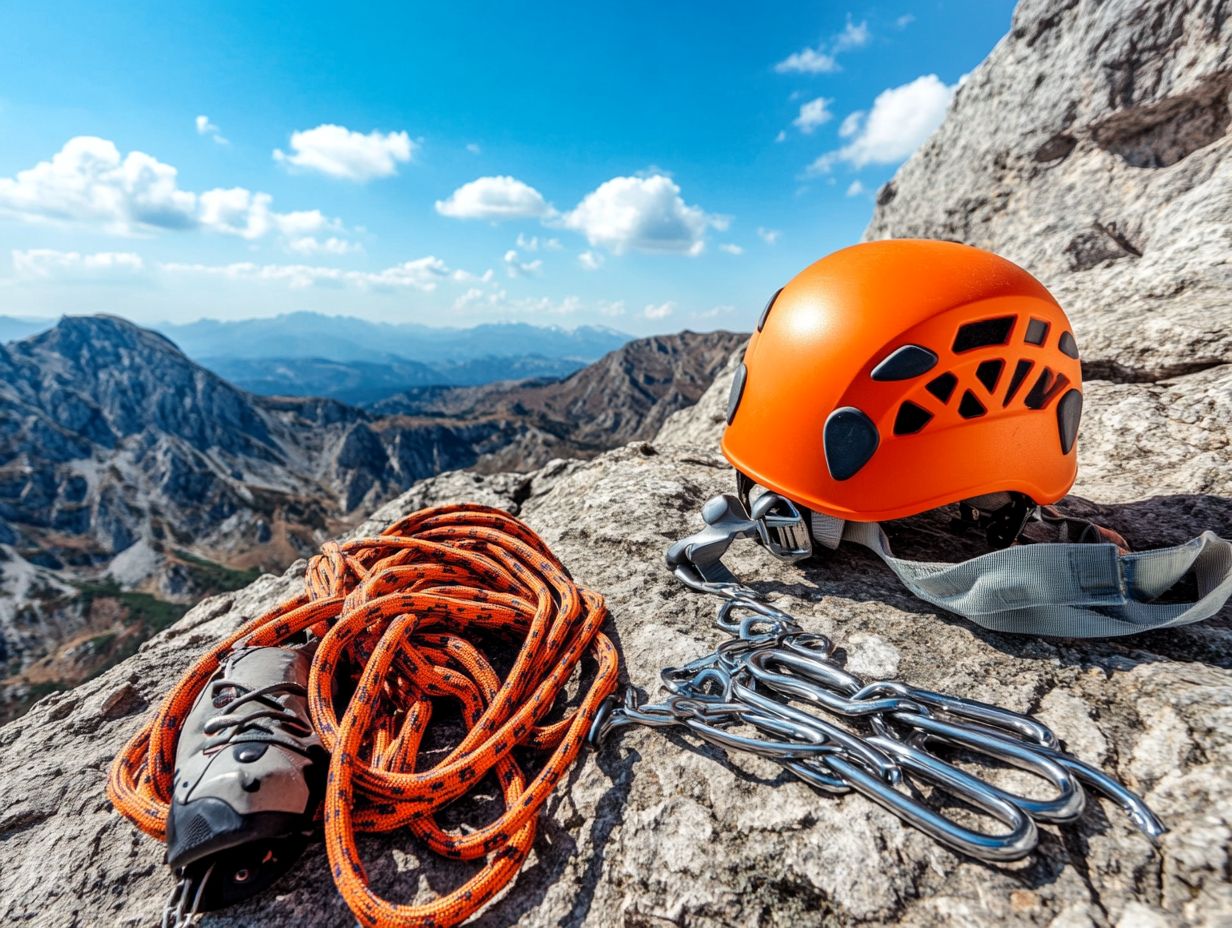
[
  {"x": 655, "y": 829},
  {"x": 1092, "y": 148},
  {"x": 1110, "y": 113}
]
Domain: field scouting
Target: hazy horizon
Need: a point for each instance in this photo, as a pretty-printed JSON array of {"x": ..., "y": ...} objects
[{"x": 428, "y": 324}]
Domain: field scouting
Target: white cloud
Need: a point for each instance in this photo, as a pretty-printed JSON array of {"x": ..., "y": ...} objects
[
  {"x": 850, "y": 124},
  {"x": 611, "y": 307},
  {"x": 422, "y": 274},
  {"x": 546, "y": 305},
  {"x": 516, "y": 267},
  {"x": 899, "y": 122},
  {"x": 769, "y": 236},
  {"x": 89, "y": 183},
  {"x": 731, "y": 249},
  {"x": 813, "y": 114},
  {"x": 904, "y": 21},
  {"x": 782, "y": 136},
  {"x": 236, "y": 211},
  {"x": 207, "y": 128},
  {"x": 854, "y": 35},
  {"x": 534, "y": 243},
  {"x": 590, "y": 260},
  {"x": 339, "y": 152},
  {"x": 303, "y": 222},
  {"x": 660, "y": 311},
  {"x": 311, "y": 245},
  {"x": 473, "y": 148},
  {"x": 47, "y": 263},
  {"x": 855, "y": 188},
  {"x": 823, "y": 59},
  {"x": 808, "y": 61},
  {"x": 475, "y": 296},
  {"x": 240, "y": 212},
  {"x": 642, "y": 213},
  {"x": 498, "y": 300},
  {"x": 723, "y": 309},
  {"x": 466, "y": 277},
  {"x": 494, "y": 198}
]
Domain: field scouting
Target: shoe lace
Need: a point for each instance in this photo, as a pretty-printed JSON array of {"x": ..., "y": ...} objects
[{"x": 264, "y": 707}]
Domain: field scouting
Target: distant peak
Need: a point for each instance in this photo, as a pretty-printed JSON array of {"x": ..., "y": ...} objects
[
  {"x": 102, "y": 329},
  {"x": 106, "y": 322}
]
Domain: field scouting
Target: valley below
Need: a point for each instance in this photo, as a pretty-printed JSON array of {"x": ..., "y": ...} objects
[{"x": 134, "y": 481}]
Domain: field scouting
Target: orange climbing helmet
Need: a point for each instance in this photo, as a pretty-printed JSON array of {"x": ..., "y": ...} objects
[{"x": 894, "y": 377}]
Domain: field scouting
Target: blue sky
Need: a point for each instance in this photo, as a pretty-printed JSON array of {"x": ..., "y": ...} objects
[{"x": 647, "y": 166}]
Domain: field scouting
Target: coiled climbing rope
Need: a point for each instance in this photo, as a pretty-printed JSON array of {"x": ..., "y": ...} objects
[{"x": 398, "y": 616}]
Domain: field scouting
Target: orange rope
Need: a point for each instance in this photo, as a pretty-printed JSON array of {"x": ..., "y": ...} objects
[{"x": 399, "y": 607}]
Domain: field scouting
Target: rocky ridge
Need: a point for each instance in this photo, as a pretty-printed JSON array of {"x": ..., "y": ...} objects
[
  {"x": 124, "y": 467},
  {"x": 626, "y": 395},
  {"x": 653, "y": 830},
  {"x": 1092, "y": 147}
]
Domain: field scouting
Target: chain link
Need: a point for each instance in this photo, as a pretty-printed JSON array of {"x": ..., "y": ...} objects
[{"x": 777, "y": 691}]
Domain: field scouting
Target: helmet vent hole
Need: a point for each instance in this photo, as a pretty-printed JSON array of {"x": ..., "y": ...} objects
[
  {"x": 983, "y": 333},
  {"x": 942, "y": 386},
  {"x": 1068, "y": 346},
  {"x": 1037, "y": 332},
  {"x": 1044, "y": 389},
  {"x": 970, "y": 407},
  {"x": 765, "y": 313},
  {"x": 904, "y": 363},
  {"x": 989, "y": 372},
  {"x": 1035, "y": 396},
  {"x": 911, "y": 418},
  {"x": 737, "y": 391},
  {"x": 1021, "y": 369}
]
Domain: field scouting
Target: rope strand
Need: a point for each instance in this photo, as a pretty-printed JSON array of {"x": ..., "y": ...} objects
[{"x": 405, "y": 608}]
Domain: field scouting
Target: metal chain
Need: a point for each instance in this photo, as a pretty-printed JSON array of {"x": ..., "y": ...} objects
[{"x": 777, "y": 691}]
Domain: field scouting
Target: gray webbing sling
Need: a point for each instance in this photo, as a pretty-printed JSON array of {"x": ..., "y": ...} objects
[
  {"x": 1068, "y": 590},
  {"x": 1071, "y": 590}
]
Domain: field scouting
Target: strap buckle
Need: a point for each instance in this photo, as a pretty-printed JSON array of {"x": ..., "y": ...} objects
[
  {"x": 1002, "y": 525},
  {"x": 774, "y": 522},
  {"x": 783, "y": 530}
]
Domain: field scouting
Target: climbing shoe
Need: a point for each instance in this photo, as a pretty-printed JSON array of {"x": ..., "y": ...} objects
[{"x": 249, "y": 777}]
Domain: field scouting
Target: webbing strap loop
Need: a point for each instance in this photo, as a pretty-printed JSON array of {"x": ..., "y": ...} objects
[{"x": 1062, "y": 589}]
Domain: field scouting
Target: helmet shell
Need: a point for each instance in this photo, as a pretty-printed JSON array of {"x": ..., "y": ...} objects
[{"x": 893, "y": 377}]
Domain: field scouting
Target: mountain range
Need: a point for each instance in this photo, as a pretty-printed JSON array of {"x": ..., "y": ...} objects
[
  {"x": 358, "y": 361},
  {"x": 347, "y": 338},
  {"x": 133, "y": 479}
]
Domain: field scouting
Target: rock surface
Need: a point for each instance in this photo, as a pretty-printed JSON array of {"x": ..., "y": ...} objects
[
  {"x": 655, "y": 830},
  {"x": 1092, "y": 147}
]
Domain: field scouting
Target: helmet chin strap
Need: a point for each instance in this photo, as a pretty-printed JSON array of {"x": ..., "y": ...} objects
[
  {"x": 1002, "y": 516},
  {"x": 1087, "y": 587}
]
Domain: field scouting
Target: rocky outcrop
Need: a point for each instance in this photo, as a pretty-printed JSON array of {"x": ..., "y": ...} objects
[
  {"x": 624, "y": 396},
  {"x": 1092, "y": 147},
  {"x": 657, "y": 830},
  {"x": 122, "y": 460}
]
